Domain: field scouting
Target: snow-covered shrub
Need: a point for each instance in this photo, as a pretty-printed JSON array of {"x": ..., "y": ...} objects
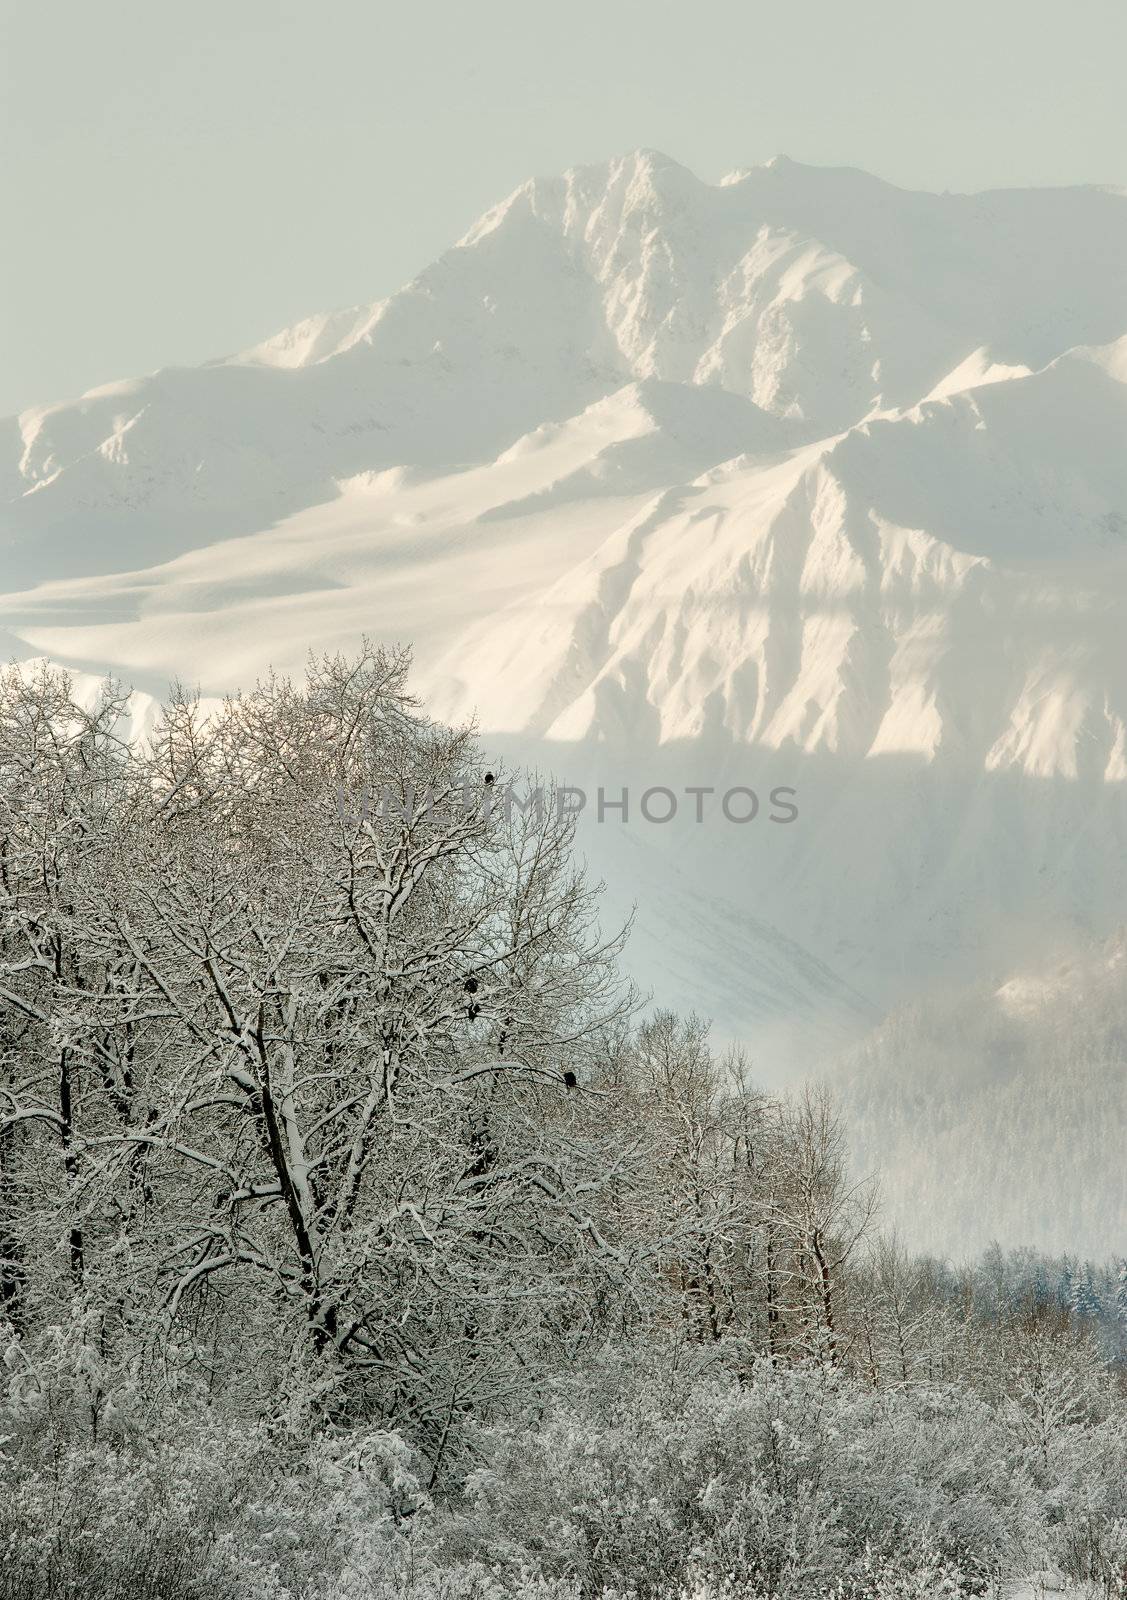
[
  {"x": 788, "y": 1483},
  {"x": 1088, "y": 1526}
]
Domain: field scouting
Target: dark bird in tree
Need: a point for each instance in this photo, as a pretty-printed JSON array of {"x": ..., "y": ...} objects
[
  {"x": 470, "y": 986},
  {"x": 569, "y": 1079},
  {"x": 489, "y": 780},
  {"x": 482, "y": 1152}
]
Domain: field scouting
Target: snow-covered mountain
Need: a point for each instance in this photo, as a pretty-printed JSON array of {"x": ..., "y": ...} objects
[
  {"x": 819, "y": 296},
  {"x": 799, "y": 479}
]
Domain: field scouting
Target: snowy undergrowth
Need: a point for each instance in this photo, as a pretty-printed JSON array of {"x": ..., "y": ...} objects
[{"x": 632, "y": 1483}]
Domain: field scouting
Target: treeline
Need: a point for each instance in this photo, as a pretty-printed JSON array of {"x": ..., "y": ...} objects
[{"x": 355, "y": 1231}]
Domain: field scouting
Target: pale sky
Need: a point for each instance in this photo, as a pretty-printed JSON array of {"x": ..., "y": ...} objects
[{"x": 184, "y": 177}]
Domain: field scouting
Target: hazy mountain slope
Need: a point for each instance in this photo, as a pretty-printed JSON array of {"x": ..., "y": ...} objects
[
  {"x": 951, "y": 577},
  {"x": 997, "y": 1112}
]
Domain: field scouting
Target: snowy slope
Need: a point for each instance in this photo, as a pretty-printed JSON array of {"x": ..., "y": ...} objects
[
  {"x": 798, "y": 479},
  {"x": 996, "y": 1112}
]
